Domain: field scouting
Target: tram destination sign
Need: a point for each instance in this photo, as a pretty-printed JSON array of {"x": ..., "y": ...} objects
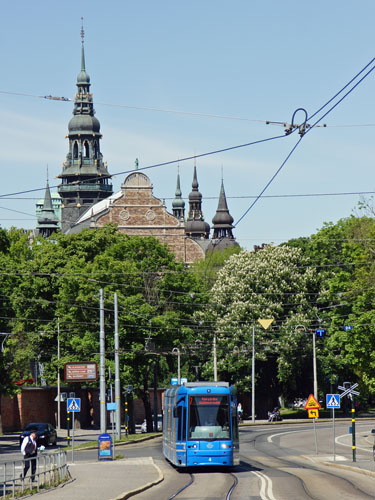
[{"x": 77, "y": 371}]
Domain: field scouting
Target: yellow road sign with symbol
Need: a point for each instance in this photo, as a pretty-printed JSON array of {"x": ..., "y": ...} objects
[
  {"x": 265, "y": 322},
  {"x": 313, "y": 413},
  {"x": 312, "y": 403}
]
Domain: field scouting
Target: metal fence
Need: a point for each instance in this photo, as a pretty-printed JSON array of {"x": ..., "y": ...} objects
[{"x": 51, "y": 469}]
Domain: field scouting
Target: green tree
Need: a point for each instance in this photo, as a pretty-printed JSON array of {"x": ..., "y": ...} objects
[
  {"x": 273, "y": 282},
  {"x": 61, "y": 279}
]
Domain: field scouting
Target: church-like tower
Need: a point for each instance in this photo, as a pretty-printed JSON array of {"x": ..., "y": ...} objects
[
  {"x": 222, "y": 221},
  {"x": 195, "y": 226},
  {"x": 84, "y": 178},
  {"x": 178, "y": 204},
  {"x": 48, "y": 222}
]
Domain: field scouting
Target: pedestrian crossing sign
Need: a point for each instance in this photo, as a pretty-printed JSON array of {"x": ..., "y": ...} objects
[
  {"x": 312, "y": 403},
  {"x": 332, "y": 400},
  {"x": 73, "y": 404}
]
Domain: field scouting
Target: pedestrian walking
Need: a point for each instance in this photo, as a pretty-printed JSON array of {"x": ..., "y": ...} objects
[
  {"x": 239, "y": 412},
  {"x": 29, "y": 451}
]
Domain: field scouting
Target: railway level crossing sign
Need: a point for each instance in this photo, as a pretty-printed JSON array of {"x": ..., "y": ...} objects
[{"x": 348, "y": 391}]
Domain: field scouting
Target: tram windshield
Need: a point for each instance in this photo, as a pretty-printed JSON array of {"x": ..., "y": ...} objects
[{"x": 209, "y": 418}]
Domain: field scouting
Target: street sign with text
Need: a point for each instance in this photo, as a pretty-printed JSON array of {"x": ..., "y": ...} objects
[{"x": 81, "y": 371}]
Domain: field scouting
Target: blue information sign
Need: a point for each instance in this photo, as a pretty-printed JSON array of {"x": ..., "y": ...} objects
[
  {"x": 333, "y": 401},
  {"x": 348, "y": 328}
]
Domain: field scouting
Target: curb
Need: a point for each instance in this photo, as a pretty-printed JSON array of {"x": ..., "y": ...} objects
[
  {"x": 116, "y": 445},
  {"x": 128, "y": 494},
  {"x": 341, "y": 466}
]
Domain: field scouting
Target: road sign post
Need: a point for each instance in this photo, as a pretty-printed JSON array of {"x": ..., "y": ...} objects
[
  {"x": 313, "y": 404},
  {"x": 73, "y": 405},
  {"x": 348, "y": 390},
  {"x": 333, "y": 402}
]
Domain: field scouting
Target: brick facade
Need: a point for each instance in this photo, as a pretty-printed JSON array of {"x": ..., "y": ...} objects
[
  {"x": 37, "y": 404},
  {"x": 137, "y": 212}
]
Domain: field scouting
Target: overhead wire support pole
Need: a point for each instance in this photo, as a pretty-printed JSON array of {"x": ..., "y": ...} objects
[
  {"x": 58, "y": 377},
  {"x": 117, "y": 372},
  {"x": 103, "y": 415},
  {"x": 314, "y": 366},
  {"x": 215, "y": 357},
  {"x": 253, "y": 376}
]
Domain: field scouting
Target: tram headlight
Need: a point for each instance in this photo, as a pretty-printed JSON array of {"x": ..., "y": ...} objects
[{"x": 226, "y": 446}]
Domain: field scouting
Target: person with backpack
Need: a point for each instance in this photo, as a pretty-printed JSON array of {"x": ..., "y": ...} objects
[{"x": 29, "y": 451}]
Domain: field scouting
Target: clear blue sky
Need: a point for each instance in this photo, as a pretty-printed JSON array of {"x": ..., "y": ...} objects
[{"x": 259, "y": 60}]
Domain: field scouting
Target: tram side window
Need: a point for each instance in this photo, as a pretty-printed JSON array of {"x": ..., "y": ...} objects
[
  {"x": 184, "y": 424},
  {"x": 179, "y": 430}
]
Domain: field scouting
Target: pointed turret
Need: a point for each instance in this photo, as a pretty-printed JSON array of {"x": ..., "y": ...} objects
[
  {"x": 178, "y": 204},
  {"x": 48, "y": 223},
  {"x": 195, "y": 226},
  {"x": 84, "y": 179},
  {"x": 222, "y": 221}
]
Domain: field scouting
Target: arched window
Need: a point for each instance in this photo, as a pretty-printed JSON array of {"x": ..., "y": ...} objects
[
  {"x": 95, "y": 150},
  {"x": 75, "y": 151},
  {"x": 86, "y": 150}
]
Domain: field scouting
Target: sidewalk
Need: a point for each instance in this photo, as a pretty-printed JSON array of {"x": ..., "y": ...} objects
[{"x": 106, "y": 480}]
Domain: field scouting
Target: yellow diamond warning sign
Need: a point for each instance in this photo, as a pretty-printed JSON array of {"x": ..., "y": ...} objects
[
  {"x": 312, "y": 403},
  {"x": 313, "y": 413}
]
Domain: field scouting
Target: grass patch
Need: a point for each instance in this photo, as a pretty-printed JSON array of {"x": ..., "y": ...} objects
[
  {"x": 296, "y": 413},
  {"x": 132, "y": 438}
]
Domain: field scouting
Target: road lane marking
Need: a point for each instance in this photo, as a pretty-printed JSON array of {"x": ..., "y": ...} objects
[
  {"x": 266, "y": 492},
  {"x": 269, "y": 439},
  {"x": 350, "y": 445}
]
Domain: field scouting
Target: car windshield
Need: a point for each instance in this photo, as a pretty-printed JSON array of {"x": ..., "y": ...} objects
[{"x": 35, "y": 427}]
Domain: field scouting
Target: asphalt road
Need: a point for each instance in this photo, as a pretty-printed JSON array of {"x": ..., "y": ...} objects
[{"x": 277, "y": 462}]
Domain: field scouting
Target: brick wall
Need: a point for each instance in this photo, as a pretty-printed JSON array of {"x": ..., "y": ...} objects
[{"x": 37, "y": 404}]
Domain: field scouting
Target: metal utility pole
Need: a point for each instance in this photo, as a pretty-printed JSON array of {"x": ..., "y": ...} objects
[
  {"x": 117, "y": 373},
  {"x": 253, "y": 378},
  {"x": 215, "y": 360},
  {"x": 314, "y": 368},
  {"x": 176, "y": 351},
  {"x": 58, "y": 377},
  {"x": 155, "y": 396},
  {"x": 103, "y": 415}
]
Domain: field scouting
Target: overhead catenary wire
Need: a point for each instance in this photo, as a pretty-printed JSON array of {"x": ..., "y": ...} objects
[{"x": 308, "y": 128}]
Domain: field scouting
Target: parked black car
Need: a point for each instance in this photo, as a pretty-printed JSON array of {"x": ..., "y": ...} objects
[{"x": 45, "y": 434}]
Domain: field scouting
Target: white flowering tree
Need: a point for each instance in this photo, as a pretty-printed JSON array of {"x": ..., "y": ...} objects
[{"x": 273, "y": 282}]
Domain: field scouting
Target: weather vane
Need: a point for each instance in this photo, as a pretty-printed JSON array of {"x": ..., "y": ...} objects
[{"x": 82, "y": 31}]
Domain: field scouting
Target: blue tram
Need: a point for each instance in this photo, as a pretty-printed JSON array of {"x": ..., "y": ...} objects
[{"x": 200, "y": 425}]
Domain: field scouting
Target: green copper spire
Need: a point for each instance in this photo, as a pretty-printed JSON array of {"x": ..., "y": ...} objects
[
  {"x": 47, "y": 220},
  {"x": 84, "y": 178},
  {"x": 178, "y": 204}
]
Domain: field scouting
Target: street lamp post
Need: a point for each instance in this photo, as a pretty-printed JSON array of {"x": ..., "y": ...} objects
[
  {"x": 103, "y": 415},
  {"x": 176, "y": 351},
  {"x": 315, "y": 378}
]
